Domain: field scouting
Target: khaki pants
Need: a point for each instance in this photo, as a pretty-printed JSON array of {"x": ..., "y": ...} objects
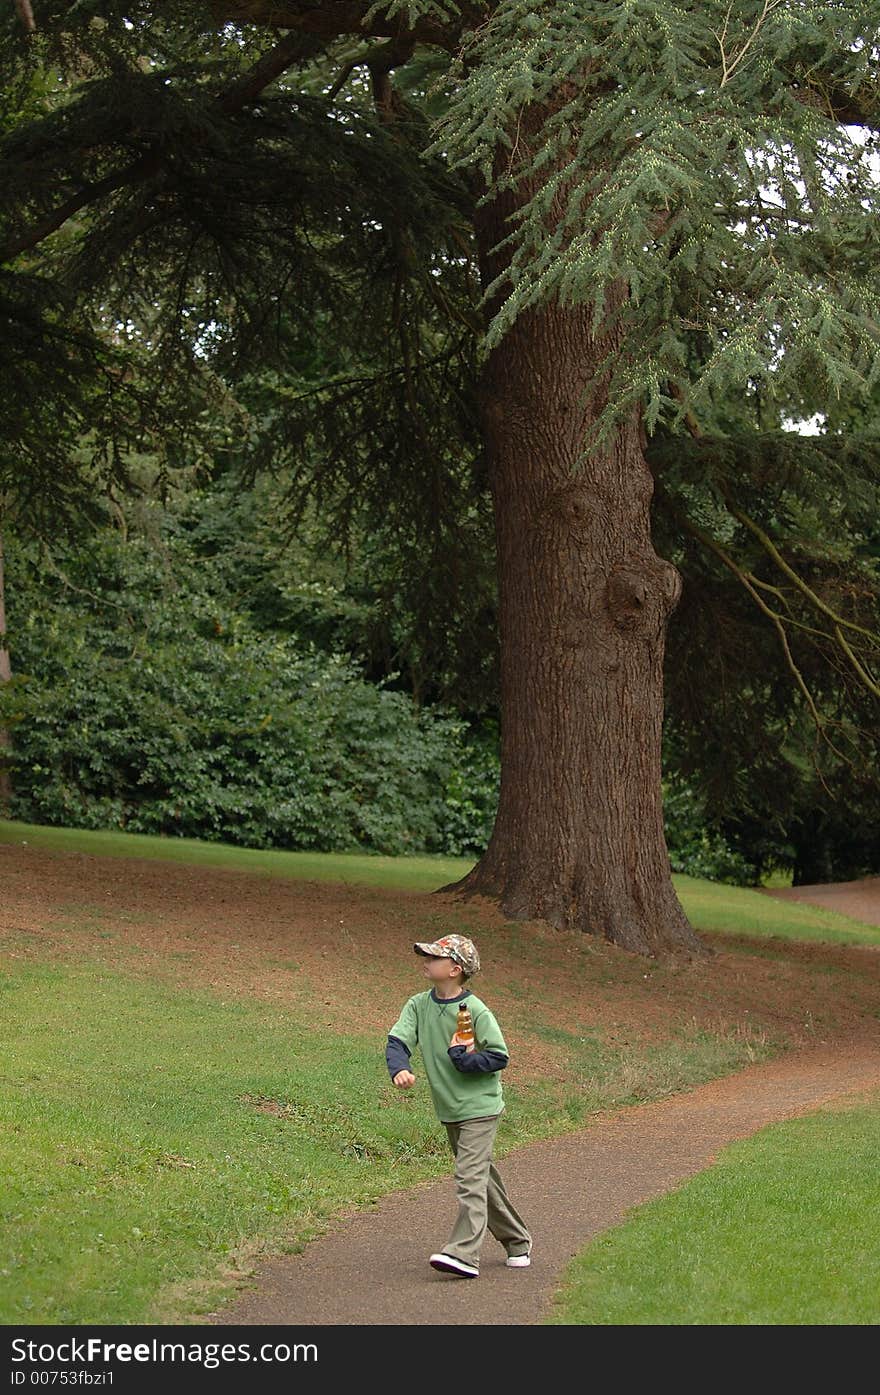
[{"x": 482, "y": 1201}]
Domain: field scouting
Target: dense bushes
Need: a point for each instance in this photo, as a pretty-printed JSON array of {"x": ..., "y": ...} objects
[
  {"x": 147, "y": 696},
  {"x": 139, "y": 702}
]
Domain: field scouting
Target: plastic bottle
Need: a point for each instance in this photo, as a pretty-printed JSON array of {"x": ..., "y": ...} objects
[{"x": 464, "y": 1027}]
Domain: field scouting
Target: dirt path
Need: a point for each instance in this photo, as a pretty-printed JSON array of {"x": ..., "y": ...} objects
[
  {"x": 860, "y": 899},
  {"x": 372, "y": 1269}
]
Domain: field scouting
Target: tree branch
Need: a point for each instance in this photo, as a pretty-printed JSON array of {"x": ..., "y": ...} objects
[
  {"x": 141, "y": 168},
  {"x": 731, "y": 63},
  {"x": 826, "y": 91},
  {"x": 333, "y": 19},
  {"x": 777, "y": 620},
  {"x": 25, "y": 14},
  {"x": 750, "y": 581},
  {"x": 291, "y": 49},
  {"x": 340, "y": 81}
]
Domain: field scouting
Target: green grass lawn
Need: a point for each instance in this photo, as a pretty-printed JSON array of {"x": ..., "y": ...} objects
[
  {"x": 417, "y": 873},
  {"x": 710, "y": 906},
  {"x": 736, "y": 910},
  {"x": 139, "y": 1172},
  {"x": 784, "y": 1229},
  {"x": 136, "y": 1164}
]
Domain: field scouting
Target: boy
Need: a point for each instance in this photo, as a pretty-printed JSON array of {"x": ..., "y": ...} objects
[{"x": 465, "y": 1087}]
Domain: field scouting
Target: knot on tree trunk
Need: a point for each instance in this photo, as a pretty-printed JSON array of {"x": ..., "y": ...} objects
[{"x": 641, "y": 597}]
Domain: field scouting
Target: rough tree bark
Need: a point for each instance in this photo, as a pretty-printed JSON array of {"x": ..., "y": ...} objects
[{"x": 584, "y": 602}]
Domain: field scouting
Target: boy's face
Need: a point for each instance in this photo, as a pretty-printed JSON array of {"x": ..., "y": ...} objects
[{"x": 441, "y": 970}]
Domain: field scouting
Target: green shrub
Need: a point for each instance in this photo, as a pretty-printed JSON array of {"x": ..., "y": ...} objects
[
  {"x": 141, "y": 703},
  {"x": 693, "y": 847}
]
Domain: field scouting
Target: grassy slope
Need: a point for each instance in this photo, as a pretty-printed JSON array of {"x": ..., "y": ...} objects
[{"x": 421, "y": 872}]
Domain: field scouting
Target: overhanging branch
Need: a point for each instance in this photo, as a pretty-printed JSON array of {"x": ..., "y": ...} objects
[
  {"x": 843, "y": 107},
  {"x": 334, "y": 19},
  {"x": 779, "y": 622},
  {"x": 292, "y": 49},
  {"x": 834, "y": 635}
]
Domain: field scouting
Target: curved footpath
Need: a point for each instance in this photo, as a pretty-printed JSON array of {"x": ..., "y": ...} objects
[
  {"x": 860, "y": 898},
  {"x": 372, "y": 1268}
]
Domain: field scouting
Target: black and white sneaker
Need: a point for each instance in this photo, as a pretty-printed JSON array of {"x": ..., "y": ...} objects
[{"x": 450, "y": 1265}]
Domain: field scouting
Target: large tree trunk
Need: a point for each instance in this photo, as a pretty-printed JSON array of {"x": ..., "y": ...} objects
[
  {"x": 584, "y": 602},
  {"x": 5, "y": 675}
]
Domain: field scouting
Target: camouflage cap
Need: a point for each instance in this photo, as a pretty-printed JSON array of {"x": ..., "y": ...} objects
[{"x": 456, "y": 947}]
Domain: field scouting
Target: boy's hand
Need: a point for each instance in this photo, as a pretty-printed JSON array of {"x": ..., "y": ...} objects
[
  {"x": 403, "y": 1079},
  {"x": 457, "y": 1041}
]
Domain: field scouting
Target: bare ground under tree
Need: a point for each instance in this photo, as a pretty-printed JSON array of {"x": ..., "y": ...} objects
[{"x": 342, "y": 953}]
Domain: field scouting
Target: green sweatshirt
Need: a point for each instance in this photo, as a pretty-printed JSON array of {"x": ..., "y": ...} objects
[{"x": 471, "y": 1089}]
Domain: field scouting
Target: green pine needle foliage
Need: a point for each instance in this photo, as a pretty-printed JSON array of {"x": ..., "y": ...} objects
[{"x": 675, "y": 148}]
